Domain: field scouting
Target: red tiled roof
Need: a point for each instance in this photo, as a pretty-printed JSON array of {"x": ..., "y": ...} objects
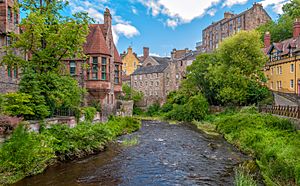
[
  {"x": 96, "y": 43},
  {"x": 116, "y": 55}
]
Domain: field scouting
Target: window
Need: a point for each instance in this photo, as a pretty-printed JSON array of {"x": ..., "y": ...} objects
[
  {"x": 135, "y": 77},
  {"x": 117, "y": 74},
  {"x": 292, "y": 83},
  {"x": 16, "y": 18},
  {"x": 157, "y": 83},
  {"x": 72, "y": 68},
  {"x": 292, "y": 68},
  {"x": 9, "y": 71},
  {"x": 15, "y": 72},
  {"x": 103, "y": 68},
  {"x": 141, "y": 84},
  {"x": 146, "y": 83},
  {"x": 151, "y": 83},
  {"x": 95, "y": 68},
  {"x": 135, "y": 84},
  {"x": 9, "y": 13},
  {"x": 8, "y": 40},
  {"x": 280, "y": 70}
]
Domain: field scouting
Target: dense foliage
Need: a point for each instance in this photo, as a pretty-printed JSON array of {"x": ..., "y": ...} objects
[
  {"x": 282, "y": 28},
  {"x": 232, "y": 75},
  {"x": 47, "y": 37},
  {"x": 273, "y": 141},
  {"x": 28, "y": 153},
  {"x": 131, "y": 94},
  {"x": 89, "y": 113}
]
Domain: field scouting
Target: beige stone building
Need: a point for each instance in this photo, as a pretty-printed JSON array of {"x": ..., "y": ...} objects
[
  {"x": 158, "y": 76},
  {"x": 230, "y": 24}
]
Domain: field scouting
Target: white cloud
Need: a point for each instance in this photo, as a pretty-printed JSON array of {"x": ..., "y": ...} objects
[
  {"x": 230, "y": 3},
  {"x": 134, "y": 10},
  {"x": 275, "y": 4},
  {"x": 126, "y": 30},
  {"x": 179, "y": 11},
  {"x": 212, "y": 12},
  {"x": 95, "y": 9}
]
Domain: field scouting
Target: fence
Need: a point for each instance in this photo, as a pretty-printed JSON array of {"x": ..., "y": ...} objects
[
  {"x": 288, "y": 111},
  {"x": 64, "y": 112}
]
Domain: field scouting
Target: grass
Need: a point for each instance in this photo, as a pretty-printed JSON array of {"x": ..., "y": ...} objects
[
  {"x": 130, "y": 142},
  {"x": 28, "y": 153},
  {"x": 242, "y": 178}
]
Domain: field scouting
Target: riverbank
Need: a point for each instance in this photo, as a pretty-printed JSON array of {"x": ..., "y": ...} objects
[
  {"x": 28, "y": 153},
  {"x": 272, "y": 141}
]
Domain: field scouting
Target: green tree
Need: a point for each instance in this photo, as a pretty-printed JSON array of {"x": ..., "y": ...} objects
[
  {"x": 131, "y": 94},
  {"x": 282, "y": 28},
  {"x": 49, "y": 37}
]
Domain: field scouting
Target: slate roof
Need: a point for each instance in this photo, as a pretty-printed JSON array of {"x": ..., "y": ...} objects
[
  {"x": 161, "y": 60},
  {"x": 190, "y": 56},
  {"x": 96, "y": 43},
  {"x": 151, "y": 69},
  {"x": 284, "y": 46}
]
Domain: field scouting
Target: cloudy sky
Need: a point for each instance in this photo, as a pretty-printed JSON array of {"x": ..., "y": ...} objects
[{"x": 164, "y": 24}]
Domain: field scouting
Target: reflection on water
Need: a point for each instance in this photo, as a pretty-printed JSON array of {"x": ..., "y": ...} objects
[{"x": 165, "y": 155}]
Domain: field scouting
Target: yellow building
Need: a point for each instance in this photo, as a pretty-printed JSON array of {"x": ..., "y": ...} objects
[
  {"x": 130, "y": 62},
  {"x": 283, "y": 67}
]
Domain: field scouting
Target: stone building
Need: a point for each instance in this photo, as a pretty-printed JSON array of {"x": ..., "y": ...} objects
[
  {"x": 232, "y": 23},
  {"x": 283, "y": 67},
  {"x": 130, "y": 62},
  {"x": 159, "y": 76},
  {"x": 102, "y": 77},
  {"x": 9, "y": 20}
]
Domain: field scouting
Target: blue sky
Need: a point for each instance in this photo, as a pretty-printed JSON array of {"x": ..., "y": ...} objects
[{"x": 163, "y": 25}]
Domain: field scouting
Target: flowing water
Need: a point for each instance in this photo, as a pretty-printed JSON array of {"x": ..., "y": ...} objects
[{"x": 165, "y": 155}]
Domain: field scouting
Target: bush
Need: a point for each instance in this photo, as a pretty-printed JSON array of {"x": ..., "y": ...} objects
[
  {"x": 96, "y": 105},
  {"x": 153, "y": 110},
  {"x": 272, "y": 140},
  {"x": 89, "y": 113},
  {"x": 24, "y": 154},
  {"x": 137, "y": 111},
  {"x": 195, "y": 109}
]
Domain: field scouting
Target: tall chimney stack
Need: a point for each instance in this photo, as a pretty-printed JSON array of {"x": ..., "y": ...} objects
[
  {"x": 267, "y": 39},
  {"x": 296, "y": 32},
  {"x": 107, "y": 19},
  {"x": 146, "y": 52}
]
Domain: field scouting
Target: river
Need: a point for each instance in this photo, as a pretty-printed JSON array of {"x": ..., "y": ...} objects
[{"x": 165, "y": 155}]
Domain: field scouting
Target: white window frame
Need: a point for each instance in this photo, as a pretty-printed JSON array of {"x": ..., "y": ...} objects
[
  {"x": 292, "y": 84},
  {"x": 292, "y": 68}
]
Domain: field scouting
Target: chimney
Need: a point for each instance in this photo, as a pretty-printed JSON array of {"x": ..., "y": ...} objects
[
  {"x": 296, "y": 28},
  {"x": 267, "y": 39},
  {"x": 228, "y": 15},
  {"x": 107, "y": 19},
  {"x": 173, "y": 53},
  {"x": 146, "y": 52},
  {"x": 129, "y": 50}
]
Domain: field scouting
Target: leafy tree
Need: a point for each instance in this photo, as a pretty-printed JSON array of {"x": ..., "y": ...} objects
[
  {"x": 48, "y": 37},
  {"x": 282, "y": 28},
  {"x": 131, "y": 94}
]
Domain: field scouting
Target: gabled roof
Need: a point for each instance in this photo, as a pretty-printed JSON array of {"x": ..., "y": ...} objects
[
  {"x": 116, "y": 55},
  {"x": 151, "y": 69},
  {"x": 95, "y": 43},
  {"x": 284, "y": 46}
]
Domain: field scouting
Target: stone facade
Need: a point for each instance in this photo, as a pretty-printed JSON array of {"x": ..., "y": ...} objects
[
  {"x": 231, "y": 24},
  {"x": 130, "y": 62},
  {"x": 283, "y": 68},
  {"x": 9, "y": 20},
  {"x": 102, "y": 77},
  {"x": 159, "y": 76}
]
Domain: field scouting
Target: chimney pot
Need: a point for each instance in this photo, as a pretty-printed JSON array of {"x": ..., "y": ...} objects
[
  {"x": 267, "y": 39},
  {"x": 146, "y": 52},
  {"x": 296, "y": 32}
]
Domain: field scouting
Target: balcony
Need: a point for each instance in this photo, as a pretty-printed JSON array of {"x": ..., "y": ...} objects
[{"x": 97, "y": 85}]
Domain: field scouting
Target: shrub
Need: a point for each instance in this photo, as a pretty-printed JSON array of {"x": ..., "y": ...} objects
[
  {"x": 153, "y": 110},
  {"x": 89, "y": 113},
  {"x": 24, "y": 154},
  {"x": 96, "y": 105},
  {"x": 137, "y": 111}
]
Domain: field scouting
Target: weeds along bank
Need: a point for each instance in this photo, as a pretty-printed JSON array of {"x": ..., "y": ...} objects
[
  {"x": 28, "y": 153},
  {"x": 273, "y": 141}
]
